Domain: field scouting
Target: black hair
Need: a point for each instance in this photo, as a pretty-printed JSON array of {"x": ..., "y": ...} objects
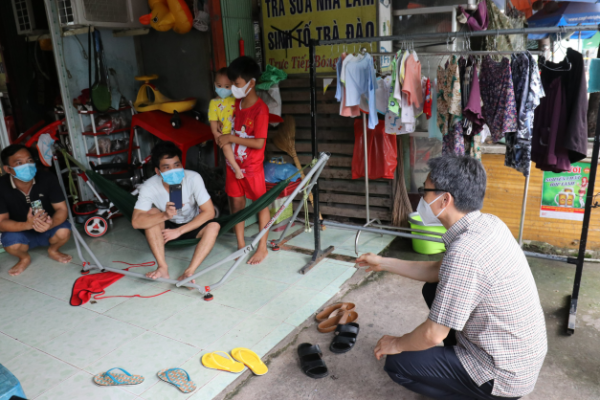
[
  {"x": 11, "y": 151},
  {"x": 222, "y": 71},
  {"x": 463, "y": 177},
  {"x": 162, "y": 149},
  {"x": 244, "y": 67}
]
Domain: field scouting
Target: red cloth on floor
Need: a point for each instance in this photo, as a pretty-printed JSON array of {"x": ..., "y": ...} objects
[{"x": 88, "y": 285}]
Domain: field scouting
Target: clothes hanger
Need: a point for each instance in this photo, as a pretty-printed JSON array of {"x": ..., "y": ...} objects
[
  {"x": 447, "y": 49},
  {"x": 570, "y": 66}
]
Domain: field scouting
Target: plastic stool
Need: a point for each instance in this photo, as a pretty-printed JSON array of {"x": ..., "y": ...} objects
[{"x": 9, "y": 385}]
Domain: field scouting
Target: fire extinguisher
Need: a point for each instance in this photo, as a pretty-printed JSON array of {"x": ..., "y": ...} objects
[{"x": 241, "y": 44}]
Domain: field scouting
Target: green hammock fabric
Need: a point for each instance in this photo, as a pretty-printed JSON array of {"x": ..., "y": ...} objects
[{"x": 125, "y": 202}]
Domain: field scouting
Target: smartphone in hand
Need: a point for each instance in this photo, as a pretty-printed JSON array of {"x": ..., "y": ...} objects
[
  {"x": 175, "y": 196},
  {"x": 36, "y": 207}
]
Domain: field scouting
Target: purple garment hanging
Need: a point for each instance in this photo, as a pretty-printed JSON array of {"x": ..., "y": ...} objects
[
  {"x": 479, "y": 20},
  {"x": 498, "y": 95},
  {"x": 547, "y": 149},
  {"x": 472, "y": 110}
]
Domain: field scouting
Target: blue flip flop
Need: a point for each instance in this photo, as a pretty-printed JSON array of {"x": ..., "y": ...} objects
[
  {"x": 114, "y": 379},
  {"x": 179, "y": 378}
]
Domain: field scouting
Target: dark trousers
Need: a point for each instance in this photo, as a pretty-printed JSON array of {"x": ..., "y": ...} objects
[{"x": 437, "y": 372}]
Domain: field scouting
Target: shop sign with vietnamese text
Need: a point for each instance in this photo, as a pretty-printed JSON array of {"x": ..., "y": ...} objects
[{"x": 318, "y": 19}]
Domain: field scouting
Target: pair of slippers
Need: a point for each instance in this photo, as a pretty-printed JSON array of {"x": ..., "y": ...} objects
[
  {"x": 338, "y": 318},
  {"x": 175, "y": 376},
  {"x": 243, "y": 357}
]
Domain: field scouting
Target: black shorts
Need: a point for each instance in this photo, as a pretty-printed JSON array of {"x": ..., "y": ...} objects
[{"x": 190, "y": 235}]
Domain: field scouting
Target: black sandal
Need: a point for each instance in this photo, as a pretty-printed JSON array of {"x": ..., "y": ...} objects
[
  {"x": 345, "y": 338},
  {"x": 311, "y": 362}
]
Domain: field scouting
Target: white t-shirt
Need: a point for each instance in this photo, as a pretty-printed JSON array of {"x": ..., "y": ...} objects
[{"x": 194, "y": 194}]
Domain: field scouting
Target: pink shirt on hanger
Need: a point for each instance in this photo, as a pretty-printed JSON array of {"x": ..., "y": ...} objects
[{"x": 412, "y": 82}]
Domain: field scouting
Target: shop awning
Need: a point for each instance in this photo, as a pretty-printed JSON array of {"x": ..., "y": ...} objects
[{"x": 567, "y": 13}]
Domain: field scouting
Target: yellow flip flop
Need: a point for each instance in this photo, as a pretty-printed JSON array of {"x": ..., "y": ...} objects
[
  {"x": 215, "y": 361},
  {"x": 250, "y": 359}
]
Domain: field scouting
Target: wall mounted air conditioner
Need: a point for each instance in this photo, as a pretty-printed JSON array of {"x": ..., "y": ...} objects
[
  {"x": 30, "y": 16},
  {"x": 101, "y": 13}
]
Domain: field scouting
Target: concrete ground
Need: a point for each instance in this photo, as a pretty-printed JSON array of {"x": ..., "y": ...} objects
[{"x": 389, "y": 304}]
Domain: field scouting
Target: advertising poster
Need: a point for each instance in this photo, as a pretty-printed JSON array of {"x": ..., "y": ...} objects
[
  {"x": 315, "y": 19},
  {"x": 563, "y": 194}
]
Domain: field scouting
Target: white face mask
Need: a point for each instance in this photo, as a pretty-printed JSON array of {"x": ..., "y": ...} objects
[
  {"x": 426, "y": 213},
  {"x": 240, "y": 93}
]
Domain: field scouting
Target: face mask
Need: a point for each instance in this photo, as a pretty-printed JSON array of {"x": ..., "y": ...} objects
[
  {"x": 426, "y": 213},
  {"x": 173, "y": 176},
  {"x": 240, "y": 93},
  {"x": 222, "y": 92},
  {"x": 25, "y": 172}
]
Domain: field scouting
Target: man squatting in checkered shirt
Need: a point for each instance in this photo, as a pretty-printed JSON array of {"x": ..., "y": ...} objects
[{"x": 483, "y": 301}]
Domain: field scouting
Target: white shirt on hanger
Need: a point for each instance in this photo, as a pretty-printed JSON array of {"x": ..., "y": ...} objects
[
  {"x": 382, "y": 94},
  {"x": 344, "y": 63}
]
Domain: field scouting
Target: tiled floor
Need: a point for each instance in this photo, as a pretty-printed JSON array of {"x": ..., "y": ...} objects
[{"x": 55, "y": 349}]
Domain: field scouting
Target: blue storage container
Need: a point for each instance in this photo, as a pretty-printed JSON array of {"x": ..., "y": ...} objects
[{"x": 9, "y": 385}]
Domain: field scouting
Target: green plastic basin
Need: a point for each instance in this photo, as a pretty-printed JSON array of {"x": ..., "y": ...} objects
[{"x": 425, "y": 246}]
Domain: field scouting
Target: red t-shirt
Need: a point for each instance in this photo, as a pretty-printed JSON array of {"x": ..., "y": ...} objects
[{"x": 250, "y": 123}]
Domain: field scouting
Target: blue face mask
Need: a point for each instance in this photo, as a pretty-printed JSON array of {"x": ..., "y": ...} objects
[
  {"x": 222, "y": 92},
  {"x": 173, "y": 176},
  {"x": 25, "y": 172}
]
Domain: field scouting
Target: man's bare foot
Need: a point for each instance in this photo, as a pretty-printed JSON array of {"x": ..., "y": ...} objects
[
  {"x": 60, "y": 257},
  {"x": 186, "y": 275},
  {"x": 259, "y": 256},
  {"x": 239, "y": 174},
  {"x": 20, "y": 266},
  {"x": 159, "y": 273}
]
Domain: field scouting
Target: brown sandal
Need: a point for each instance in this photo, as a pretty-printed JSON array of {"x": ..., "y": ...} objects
[
  {"x": 334, "y": 310},
  {"x": 331, "y": 324}
]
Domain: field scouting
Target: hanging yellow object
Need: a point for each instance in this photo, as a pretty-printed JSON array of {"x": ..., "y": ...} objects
[{"x": 167, "y": 15}]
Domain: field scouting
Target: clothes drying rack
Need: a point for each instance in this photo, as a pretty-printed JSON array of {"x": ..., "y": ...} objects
[
  {"x": 313, "y": 43},
  {"x": 371, "y": 222}
]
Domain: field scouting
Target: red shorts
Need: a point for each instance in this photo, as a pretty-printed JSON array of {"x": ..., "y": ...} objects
[{"x": 251, "y": 187}]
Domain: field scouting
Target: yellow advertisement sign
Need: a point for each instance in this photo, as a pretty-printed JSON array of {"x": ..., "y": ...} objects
[{"x": 314, "y": 19}]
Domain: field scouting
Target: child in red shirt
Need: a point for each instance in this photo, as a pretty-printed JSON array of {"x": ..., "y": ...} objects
[{"x": 248, "y": 139}]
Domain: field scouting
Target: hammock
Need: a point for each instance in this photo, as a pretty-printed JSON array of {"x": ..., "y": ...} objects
[{"x": 125, "y": 201}]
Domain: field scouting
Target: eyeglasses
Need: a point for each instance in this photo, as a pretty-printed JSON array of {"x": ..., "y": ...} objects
[{"x": 422, "y": 190}]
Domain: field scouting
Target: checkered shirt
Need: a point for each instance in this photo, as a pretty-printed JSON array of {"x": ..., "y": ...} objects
[{"x": 486, "y": 292}]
